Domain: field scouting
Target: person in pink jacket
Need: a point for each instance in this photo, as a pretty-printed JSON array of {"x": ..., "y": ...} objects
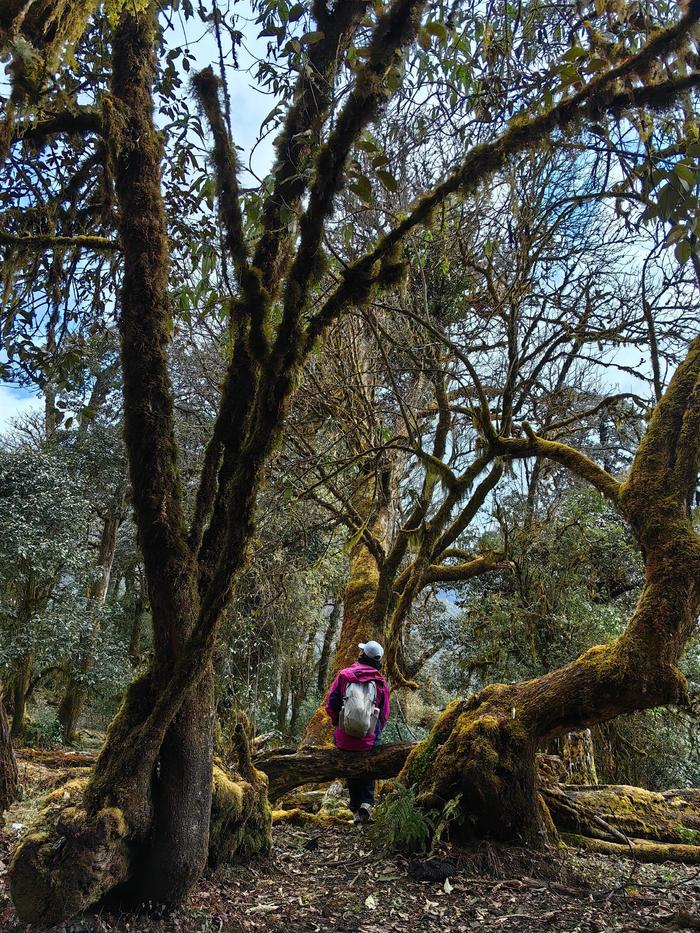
[{"x": 366, "y": 668}]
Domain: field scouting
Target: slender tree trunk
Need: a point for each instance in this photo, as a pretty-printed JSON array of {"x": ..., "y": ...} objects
[
  {"x": 329, "y": 637},
  {"x": 20, "y": 689},
  {"x": 9, "y": 778},
  {"x": 283, "y": 705},
  {"x": 73, "y": 700}
]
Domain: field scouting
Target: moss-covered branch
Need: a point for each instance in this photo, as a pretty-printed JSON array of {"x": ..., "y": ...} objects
[
  {"x": 206, "y": 86},
  {"x": 582, "y": 466},
  {"x": 600, "y": 95},
  {"x": 98, "y": 243},
  {"x": 455, "y": 573},
  {"x": 395, "y": 29},
  {"x": 299, "y": 135}
]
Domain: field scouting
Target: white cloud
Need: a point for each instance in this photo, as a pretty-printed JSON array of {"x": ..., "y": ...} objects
[{"x": 15, "y": 402}]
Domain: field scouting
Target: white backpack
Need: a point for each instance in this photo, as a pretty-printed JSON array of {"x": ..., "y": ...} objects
[{"x": 358, "y": 717}]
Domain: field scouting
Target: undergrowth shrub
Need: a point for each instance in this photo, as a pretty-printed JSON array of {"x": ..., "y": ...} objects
[{"x": 399, "y": 825}]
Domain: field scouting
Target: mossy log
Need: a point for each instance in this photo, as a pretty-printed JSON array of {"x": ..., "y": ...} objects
[
  {"x": 310, "y": 801},
  {"x": 58, "y": 760},
  {"x": 316, "y": 765}
]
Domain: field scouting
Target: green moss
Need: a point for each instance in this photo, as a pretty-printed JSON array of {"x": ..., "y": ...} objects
[{"x": 241, "y": 816}]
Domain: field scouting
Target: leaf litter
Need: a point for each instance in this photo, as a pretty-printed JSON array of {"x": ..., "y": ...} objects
[{"x": 334, "y": 882}]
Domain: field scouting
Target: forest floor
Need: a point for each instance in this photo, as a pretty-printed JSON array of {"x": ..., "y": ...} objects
[{"x": 331, "y": 880}]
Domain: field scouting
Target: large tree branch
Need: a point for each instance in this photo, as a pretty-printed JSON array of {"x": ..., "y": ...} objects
[
  {"x": 572, "y": 459},
  {"x": 597, "y": 97},
  {"x": 392, "y": 34},
  {"x": 458, "y": 573},
  {"x": 299, "y": 134}
]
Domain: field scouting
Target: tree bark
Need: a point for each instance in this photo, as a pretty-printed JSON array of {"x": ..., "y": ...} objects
[{"x": 9, "y": 776}]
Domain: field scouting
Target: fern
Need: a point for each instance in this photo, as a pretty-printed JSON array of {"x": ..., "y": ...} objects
[{"x": 399, "y": 825}]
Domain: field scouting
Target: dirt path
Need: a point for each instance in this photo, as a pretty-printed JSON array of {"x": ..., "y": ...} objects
[{"x": 333, "y": 881}]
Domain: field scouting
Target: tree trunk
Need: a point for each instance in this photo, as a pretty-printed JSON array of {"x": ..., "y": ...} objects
[
  {"x": 482, "y": 750},
  {"x": 179, "y": 843},
  {"x": 129, "y": 826},
  {"x": 9, "y": 777},
  {"x": 283, "y": 705},
  {"x": 578, "y": 756},
  {"x": 20, "y": 688},
  {"x": 73, "y": 700},
  {"x": 359, "y": 624},
  {"x": 329, "y": 637}
]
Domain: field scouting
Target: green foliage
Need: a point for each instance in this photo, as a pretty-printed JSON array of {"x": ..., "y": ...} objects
[
  {"x": 43, "y": 733},
  {"x": 399, "y": 825}
]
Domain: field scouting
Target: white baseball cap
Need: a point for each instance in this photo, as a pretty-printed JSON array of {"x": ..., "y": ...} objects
[{"x": 372, "y": 649}]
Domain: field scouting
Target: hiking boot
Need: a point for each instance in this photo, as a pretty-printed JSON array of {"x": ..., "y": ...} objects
[
  {"x": 365, "y": 814},
  {"x": 356, "y": 818}
]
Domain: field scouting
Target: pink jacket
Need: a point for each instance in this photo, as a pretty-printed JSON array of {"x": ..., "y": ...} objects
[{"x": 360, "y": 674}]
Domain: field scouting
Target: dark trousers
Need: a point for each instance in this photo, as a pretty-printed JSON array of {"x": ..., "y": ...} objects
[{"x": 361, "y": 790}]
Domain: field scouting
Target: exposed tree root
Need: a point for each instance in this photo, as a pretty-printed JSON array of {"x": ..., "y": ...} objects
[
  {"x": 640, "y": 849},
  {"x": 341, "y": 817},
  {"x": 615, "y": 813}
]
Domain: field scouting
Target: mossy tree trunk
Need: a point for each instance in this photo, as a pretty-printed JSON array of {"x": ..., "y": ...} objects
[
  {"x": 578, "y": 756},
  {"x": 482, "y": 750},
  {"x": 21, "y": 680},
  {"x": 361, "y": 622},
  {"x": 9, "y": 777}
]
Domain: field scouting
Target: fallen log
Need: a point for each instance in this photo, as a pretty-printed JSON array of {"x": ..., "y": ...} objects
[
  {"x": 57, "y": 759},
  {"x": 316, "y": 764}
]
